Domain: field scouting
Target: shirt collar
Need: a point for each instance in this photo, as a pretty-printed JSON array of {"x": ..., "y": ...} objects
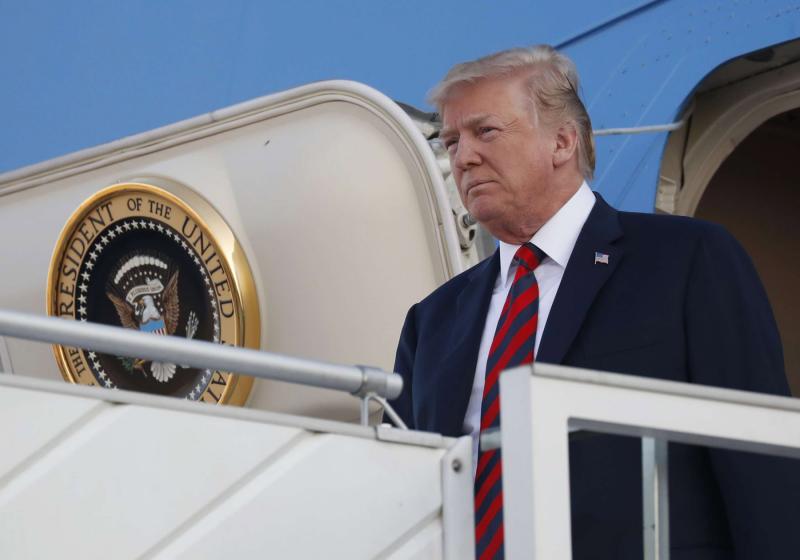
[{"x": 557, "y": 237}]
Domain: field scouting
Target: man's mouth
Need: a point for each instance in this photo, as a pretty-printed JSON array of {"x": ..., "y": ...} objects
[{"x": 476, "y": 183}]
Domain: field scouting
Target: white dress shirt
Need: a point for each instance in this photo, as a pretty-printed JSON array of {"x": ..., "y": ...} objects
[{"x": 556, "y": 238}]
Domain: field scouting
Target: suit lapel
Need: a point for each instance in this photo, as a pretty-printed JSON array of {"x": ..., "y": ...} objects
[
  {"x": 457, "y": 368},
  {"x": 583, "y": 279}
]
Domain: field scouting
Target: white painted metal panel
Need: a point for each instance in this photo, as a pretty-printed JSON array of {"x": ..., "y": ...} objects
[
  {"x": 332, "y": 497},
  {"x": 127, "y": 479},
  {"x": 32, "y": 420},
  {"x": 424, "y": 545},
  {"x": 332, "y": 192},
  {"x": 162, "y": 478}
]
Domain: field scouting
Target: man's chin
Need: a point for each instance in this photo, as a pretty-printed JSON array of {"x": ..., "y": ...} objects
[
  {"x": 493, "y": 220},
  {"x": 484, "y": 211}
]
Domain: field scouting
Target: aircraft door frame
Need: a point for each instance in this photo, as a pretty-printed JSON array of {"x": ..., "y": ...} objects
[{"x": 717, "y": 122}]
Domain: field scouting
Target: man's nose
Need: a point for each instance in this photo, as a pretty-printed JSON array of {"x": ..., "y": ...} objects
[{"x": 466, "y": 154}]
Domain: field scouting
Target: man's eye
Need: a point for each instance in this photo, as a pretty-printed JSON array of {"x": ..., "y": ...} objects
[
  {"x": 484, "y": 130},
  {"x": 450, "y": 144}
]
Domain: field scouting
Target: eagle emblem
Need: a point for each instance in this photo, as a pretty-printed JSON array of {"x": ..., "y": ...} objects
[{"x": 143, "y": 302}]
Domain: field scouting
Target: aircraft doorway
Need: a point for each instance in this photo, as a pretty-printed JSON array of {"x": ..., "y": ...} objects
[
  {"x": 755, "y": 194},
  {"x": 735, "y": 162}
]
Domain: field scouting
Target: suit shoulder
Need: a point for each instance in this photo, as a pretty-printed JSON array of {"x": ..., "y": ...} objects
[
  {"x": 676, "y": 229},
  {"x": 448, "y": 291}
]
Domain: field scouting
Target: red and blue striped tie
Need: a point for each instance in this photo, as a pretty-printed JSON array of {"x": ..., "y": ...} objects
[{"x": 512, "y": 345}]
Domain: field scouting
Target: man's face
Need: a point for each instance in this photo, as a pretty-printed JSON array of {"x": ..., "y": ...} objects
[{"x": 502, "y": 161}]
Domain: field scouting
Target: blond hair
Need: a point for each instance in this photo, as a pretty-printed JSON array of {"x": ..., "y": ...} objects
[{"x": 552, "y": 84}]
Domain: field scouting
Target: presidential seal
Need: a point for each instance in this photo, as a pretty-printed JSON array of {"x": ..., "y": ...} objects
[{"x": 138, "y": 256}]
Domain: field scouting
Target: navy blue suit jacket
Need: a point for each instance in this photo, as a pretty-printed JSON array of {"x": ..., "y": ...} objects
[{"x": 678, "y": 300}]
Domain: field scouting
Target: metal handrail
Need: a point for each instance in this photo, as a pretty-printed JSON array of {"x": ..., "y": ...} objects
[
  {"x": 357, "y": 380},
  {"x": 669, "y": 127}
]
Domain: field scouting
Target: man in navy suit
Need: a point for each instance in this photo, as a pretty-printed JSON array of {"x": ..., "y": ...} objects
[{"x": 658, "y": 296}]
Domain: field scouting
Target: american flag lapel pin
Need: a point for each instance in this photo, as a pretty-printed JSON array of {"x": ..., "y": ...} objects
[{"x": 600, "y": 258}]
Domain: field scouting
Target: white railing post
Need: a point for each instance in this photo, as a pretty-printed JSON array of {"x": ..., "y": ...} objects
[
  {"x": 536, "y": 512},
  {"x": 543, "y": 403}
]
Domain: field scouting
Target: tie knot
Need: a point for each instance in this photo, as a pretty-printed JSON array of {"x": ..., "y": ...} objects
[{"x": 529, "y": 256}]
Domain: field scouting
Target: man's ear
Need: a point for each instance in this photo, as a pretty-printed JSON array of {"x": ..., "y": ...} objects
[{"x": 566, "y": 144}]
